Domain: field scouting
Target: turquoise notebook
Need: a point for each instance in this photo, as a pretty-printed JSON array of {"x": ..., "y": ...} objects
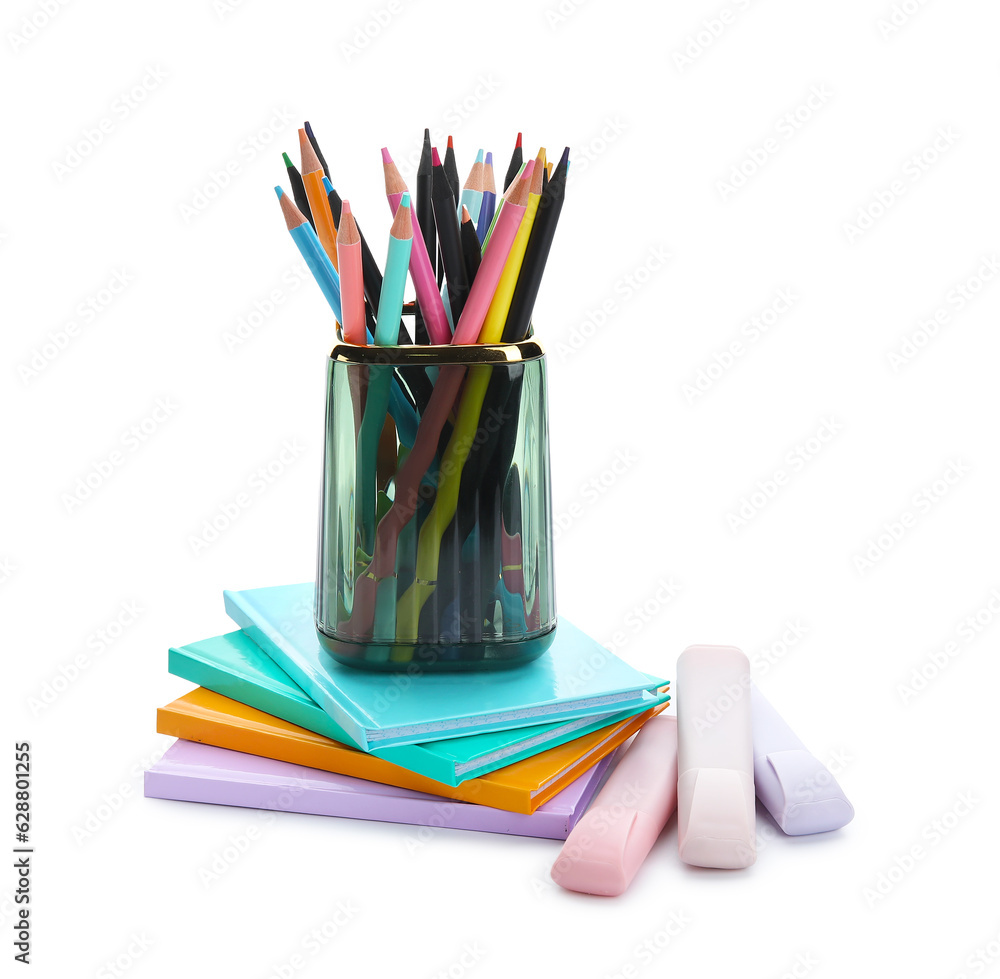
[
  {"x": 235, "y": 666},
  {"x": 577, "y": 677}
]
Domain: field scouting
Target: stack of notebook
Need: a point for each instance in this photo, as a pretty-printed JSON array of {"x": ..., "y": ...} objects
[{"x": 276, "y": 723}]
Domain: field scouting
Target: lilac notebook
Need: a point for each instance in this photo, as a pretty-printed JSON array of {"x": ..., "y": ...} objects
[{"x": 194, "y": 772}]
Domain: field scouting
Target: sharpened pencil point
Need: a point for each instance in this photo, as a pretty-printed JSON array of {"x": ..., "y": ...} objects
[
  {"x": 310, "y": 161},
  {"x": 451, "y": 143},
  {"x": 479, "y": 157},
  {"x": 285, "y": 157},
  {"x": 518, "y": 143},
  {"x": 404, "y": 201},
  {"x": 279, "y": 192},
  {"x": 347, "y": 208},
  {"x": 565, "y": 157},
  {"x": 385, "y": 155},
  {"x": 435, "y": 157}
]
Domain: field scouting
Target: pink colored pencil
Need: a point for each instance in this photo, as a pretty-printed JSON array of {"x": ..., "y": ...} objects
[
  {"x": 352, "y": 284},
  {"x": 421, "y": 270},
  {"x": 498, "y": 248}
]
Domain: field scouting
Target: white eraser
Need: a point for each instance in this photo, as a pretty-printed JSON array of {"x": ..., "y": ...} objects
[{"x": 716, "y": 822}]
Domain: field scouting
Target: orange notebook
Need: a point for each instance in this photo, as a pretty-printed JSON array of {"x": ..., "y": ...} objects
[{"x": 205, "y": 716}]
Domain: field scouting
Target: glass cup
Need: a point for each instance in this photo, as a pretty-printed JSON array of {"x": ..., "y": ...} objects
[{"x": 435, "y": 538}]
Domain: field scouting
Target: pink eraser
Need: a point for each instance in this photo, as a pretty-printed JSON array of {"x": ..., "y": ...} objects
[
  {"x": 604, "y": 852},
  {"x": 716, "y": 824}
]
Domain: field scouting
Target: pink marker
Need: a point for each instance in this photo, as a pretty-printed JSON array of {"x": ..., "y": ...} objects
[
  {"x": 421, "y": 270},
  {"x": 606, "y": 849},
  {"x": 495, "y": 257}
]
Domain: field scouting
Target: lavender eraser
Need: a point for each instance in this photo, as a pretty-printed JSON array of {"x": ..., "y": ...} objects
[{"x": 795, "y": 787}]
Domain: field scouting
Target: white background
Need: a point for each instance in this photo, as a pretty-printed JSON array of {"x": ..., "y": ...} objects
[{"x": 654, "y": 142}]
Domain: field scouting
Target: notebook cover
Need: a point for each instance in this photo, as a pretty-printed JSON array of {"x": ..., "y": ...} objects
[
  {"x": 210, "y": 718},
  {"x": 576, "y": 677},
  {"x": 235, "y": 666},
  {"x": 192, "y": 772}
]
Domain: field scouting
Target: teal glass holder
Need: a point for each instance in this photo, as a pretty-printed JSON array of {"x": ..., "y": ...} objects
[{"x": 435, "y": 536}]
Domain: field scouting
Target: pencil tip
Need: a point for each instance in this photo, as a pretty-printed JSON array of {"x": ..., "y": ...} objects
[
  {"x": 279, "y": 192},
  {"x": 385, "y": 155},
  {"x": 528, "y": 170},
  {"x": 451, "y": 143},
  {"x": 565, "y": 156},
  {"x": 346, "y": 208},
  {"x": 489, "y": 159},
  {"x": 518, "y": 143},
  {"x": 427, "y": 135},
  {"x": 285, "y": 157},
  {"x": 479, "y": 157},
  {"x": 404, "y": 201},
  {"x": 435, "y": 157},
  {"x": 309, "y": 128},
  {"x": 327, "y": 184}
]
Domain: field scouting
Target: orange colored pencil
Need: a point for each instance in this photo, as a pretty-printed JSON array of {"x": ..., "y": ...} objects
[
  {"x": 312, "y": 180},
  {"x": 352, "y": 282}
]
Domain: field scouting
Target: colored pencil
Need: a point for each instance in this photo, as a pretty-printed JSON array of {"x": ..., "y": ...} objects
[
  {"x": 352, "y": 277},
  {"x": 312, "y": 180},
  {"x": 488, "y": 207},
  {"x": 424, "y": 282},
  {"x": 312, "y": 252},
  {"x": 477, "y": 305},
  {"x": 449, "y": 236},
  {"x": 372, "y": 273},
  {"x": 516, "y": 160},
  {"x": 298, "y": 190},
  {"x": 451, "y": 169},
  {"x": 472, "y": 190},
  {"x": 536, "y": 254},
  {"x": 471, "y": 249},
  {"x": 397, "y": 261},
  {"x": 422, "y": 202},
  {"x": 318, "y": 151}
]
